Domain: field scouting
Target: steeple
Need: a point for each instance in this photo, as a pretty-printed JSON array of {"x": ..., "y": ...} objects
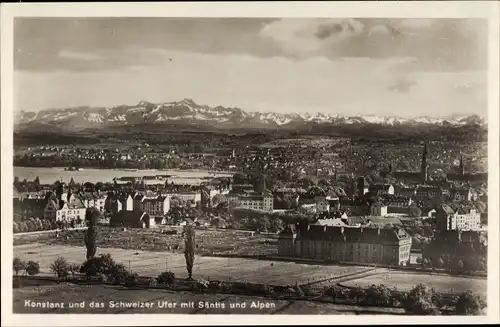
[
  {"x": 423, "y": 167},
  {"x": 461, "y": 166}
]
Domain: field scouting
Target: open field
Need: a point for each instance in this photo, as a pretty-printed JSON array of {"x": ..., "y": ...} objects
[
  {"x": 66, "y": 293},
  {"x": 252, "y": 270},
  {"x": 216, "y": 268},
  {"x": 406, "y": 280},
  {"x": 209, "y": 242}
]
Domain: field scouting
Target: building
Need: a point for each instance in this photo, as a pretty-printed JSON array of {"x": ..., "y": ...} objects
[
  {"x": 132, "y": 219},
  {"x": 330, "y": 222},
  {"x": 463, "y": 194},
  {"x": 378, "y": 209},
  {"x": 351, "y": 206},
  {"x": 67, "y": 208},
  {"x": 361, "y": 186},
  {"x": 94, "y": 200},
  {"x": 156, "y": 207},
  {"x": 462, "y": 176},
  {"x": 30, "y": 208},
  {"x": 469, "y": 247},
  {"x": 415, "y": 177},
  {"x": 381, "y": 189},
  {"x": 396, "y": 201},
  {"x": 430, "y": 192},
  {"x": 327, "y": 204},
  {"x": 405, "y": 191},
  {"x": 346, "y": 244},
  {"x": 448, "y": 218},
  {"x": 117, "y": 202},
  {"x": 256, "y": 201},
  {"x": 186, "y": 196}
]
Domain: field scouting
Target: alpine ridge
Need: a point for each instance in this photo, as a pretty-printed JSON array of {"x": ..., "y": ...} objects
[{"x": 188, "y": 112}]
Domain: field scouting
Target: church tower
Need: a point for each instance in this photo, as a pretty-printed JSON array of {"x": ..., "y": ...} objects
[
  {"x": 423, "y": 167},
  {"x": 461, "y": 168}
]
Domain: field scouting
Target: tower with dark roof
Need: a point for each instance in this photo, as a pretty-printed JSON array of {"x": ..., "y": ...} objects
[
  {"x": 423, "y": 167},
  {"x": 461, "y": 168}
]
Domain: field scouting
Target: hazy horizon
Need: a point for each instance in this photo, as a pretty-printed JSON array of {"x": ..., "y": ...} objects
[{"x": 386, "y": 67}]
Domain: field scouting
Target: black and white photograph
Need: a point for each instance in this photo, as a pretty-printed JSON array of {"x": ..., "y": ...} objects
[{"x": 228, "y": 165}]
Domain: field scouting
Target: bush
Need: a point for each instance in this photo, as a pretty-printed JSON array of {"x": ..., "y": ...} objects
[
  {"x": 18, "y": 265},
  {"x": 23, "y": 228},
  {"x": 421, "y": 301},
  {"x": 30, "y": 226},
  {"x": 378, "y": 295},
  {"x": 74, "y": 268},
  {"x": 132, "y": 279},
  {"x": 47, "y": 224},
  {"x": 60, "y": 267},
  {"x": 166, "y": 278},
  {"x": 54, "y": 225},
  {"x": 469, "y": 304},
  {"x": 103, "y": 264},
  {"x": 38, "y": 224},
  {"x": 17, "y": 282},
  {"x": 119, "y": 274},
  {"x": 15, "y": 227},
  {"x": 32, "y": 268}
]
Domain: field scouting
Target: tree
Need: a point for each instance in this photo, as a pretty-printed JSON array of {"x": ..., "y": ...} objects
[
  {"x": 74, "y": 268},
  {"x": 166, "y": 278},
  {"x": 38, "y": 224},
  {"x": 92, "y": 216},
  {"x": 440, "y": 262},
  {"x": 118, "y": 273},
  {"x": 234, "y": 203},
  {"x": 469, "y": 304},
  {"x": 239, "y": 178},
  {"x": 23, "y": 227},
  {"x": 60, "y": 267},
  {"x": 30, "y": 226},
  {"x": 47, "y": 225},
  {"x": 71, "y": 183},
  {"x": 415, "y": 211},
  {"x": 32, "y": 268},
  {"x": 101, "y": 265},
  {"x": 18, "y": 265},
  {"x": 189, "y": 249},
  {"x": 421, "y": 301},
  {"x": 219, "y": 199}
]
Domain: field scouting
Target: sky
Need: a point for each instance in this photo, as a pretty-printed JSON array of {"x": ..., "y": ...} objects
[{"x": 354, "y": 66}]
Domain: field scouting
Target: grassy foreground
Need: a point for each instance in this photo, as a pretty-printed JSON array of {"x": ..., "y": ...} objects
[
  {"x": 98, "y": 298},
  {"x": 209, "y": 242}
]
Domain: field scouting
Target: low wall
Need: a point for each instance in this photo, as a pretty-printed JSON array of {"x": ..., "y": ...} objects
[{"x": 48, "y": 231}]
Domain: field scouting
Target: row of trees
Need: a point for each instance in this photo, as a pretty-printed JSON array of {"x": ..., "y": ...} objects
[{"x": 37, "y": 224}]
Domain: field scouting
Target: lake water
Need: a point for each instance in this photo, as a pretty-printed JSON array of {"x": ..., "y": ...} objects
[{"x": 50, "y": 175}]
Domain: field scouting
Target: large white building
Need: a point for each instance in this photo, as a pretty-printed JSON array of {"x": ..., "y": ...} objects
[
  {"x": 94, "y": 200},
  {"x": 448, "y": 218},
  {"x": 256, "y": 201},
  {"x": 68, "y": 207}
]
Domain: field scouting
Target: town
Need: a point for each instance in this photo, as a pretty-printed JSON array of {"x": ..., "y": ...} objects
[
  {"x": 332, "y": 166},
  {"x": 332, "y": 203}
]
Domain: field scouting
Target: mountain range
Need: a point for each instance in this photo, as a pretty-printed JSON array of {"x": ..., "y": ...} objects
[{"x": 187, "y": 112}]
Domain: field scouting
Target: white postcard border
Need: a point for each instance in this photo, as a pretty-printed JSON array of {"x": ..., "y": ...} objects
[{"x": 400, "y": 9}]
